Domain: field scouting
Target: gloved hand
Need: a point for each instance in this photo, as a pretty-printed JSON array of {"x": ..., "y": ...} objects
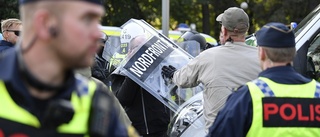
[{"x": 168, "y": 71}]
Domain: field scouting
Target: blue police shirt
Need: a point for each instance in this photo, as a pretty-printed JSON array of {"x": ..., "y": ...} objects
[
  {"x": 235, "y": 119},
  {"x": 10, "y": 74},
  {"x": 4, "y": 45}
]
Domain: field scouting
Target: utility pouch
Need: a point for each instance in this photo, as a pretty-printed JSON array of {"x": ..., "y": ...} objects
[
  {"x": 58, "y": 112},
  {"x": 99, "y": 120}
]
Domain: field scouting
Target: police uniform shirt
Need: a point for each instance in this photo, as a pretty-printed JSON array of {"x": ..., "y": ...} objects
[
  {"x": 4, "y": 45},
  {"x": 235, "y": 119},
  {"x": 9, "y": 73}
]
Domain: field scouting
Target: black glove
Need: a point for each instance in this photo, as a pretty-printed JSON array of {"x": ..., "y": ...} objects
[{"x": 168, "y": 71}]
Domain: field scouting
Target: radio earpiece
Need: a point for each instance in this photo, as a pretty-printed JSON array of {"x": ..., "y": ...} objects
[{"x": 53, "y": 32}]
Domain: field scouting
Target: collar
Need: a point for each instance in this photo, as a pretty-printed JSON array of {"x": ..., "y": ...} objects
[
  {"x": 284, "y": 75},
  {"x": 10, "y": 73},
  {"x": 228, "y": 43},
  {"x": 6, "y": 43}
]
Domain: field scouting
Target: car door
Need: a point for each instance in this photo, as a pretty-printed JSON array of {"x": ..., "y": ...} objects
[{"x": 307, "y": 41}]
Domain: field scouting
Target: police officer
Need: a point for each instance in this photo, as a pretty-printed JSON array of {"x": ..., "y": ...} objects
[
  {"x": 128, "y": 32},
  {"x": 281, "y": 102},
  {"x": 40, "y": 94}
]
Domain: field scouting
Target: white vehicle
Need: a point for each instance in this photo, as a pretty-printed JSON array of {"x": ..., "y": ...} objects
[
  {"x": 307, "y": 60},
  {"x": 307, "y": 39}
]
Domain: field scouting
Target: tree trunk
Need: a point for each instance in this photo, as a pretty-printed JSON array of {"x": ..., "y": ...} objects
[{"x": 205, "y": 18}]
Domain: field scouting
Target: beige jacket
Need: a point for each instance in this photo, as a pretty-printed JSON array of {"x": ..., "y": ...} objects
[{"x": 219, "y": 69}]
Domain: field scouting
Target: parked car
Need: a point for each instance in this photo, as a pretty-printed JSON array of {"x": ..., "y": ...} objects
[
  {"x": 307, "y": 60},
  {"x": 307, "y": 34}
]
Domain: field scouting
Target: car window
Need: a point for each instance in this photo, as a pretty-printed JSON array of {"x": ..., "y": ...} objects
[
  {"x": 315, "y": 44},
  {"x": 306, "y": 20},
  {"x": 314, "y": 57}
]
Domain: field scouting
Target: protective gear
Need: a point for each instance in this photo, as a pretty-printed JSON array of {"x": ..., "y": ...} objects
[
  {"x": 115, "y": 61},
  {"x": 193, "y": 35},
  {"x": 202, "y": 41},
  {"x": 30, "y": 124},
  {"x": 168, "y": 71},
  {"x": 277, "y": 113},
  {"x": 130, "y": 31},
  {"x": 187, "y": 35}
]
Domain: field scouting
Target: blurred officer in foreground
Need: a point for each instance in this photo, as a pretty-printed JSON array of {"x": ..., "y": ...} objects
[
  {"x": 223, "y": 68},
  {"x": 280, "y": 103},
  {"x": 11, "y": 31},
  {"x": 40, "y": 94}
]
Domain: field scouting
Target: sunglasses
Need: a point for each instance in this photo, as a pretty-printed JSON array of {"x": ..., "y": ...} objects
[{"x": 16, "y": 32}]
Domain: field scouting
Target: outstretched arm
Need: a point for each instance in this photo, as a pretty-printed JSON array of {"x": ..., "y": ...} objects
[{"x": 187, "y": 76}]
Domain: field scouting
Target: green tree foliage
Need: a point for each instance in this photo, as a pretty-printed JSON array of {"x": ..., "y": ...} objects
[
  {"x": 285, "y": 11},
  {"x": 9, "y": 9},
  {"x": 201, "y": 12},
  {"x": 120, "y": 11}
]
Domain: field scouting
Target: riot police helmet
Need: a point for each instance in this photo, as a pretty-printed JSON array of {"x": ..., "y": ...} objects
[{"x": 130, "y": 31}]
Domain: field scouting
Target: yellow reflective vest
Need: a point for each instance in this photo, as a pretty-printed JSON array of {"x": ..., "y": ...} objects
[
  {"x": 116, "y": 60},
  {"x": 22, "y": 120},
  {"x": 284, "y": 110}
]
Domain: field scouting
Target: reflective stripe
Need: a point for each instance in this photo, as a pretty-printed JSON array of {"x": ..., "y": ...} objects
[
  {"x": 269, "y": 93},
  {"x": 80, "y": 100},
  {"x": 317, "y": 93},
  {"x": 116, "y": 59},
  {"x": 264, "y": 88},
  {"x": 13, "y": 112}
]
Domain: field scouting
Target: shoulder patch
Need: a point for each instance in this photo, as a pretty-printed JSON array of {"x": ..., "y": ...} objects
[{"x": 82, "y": 85}]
